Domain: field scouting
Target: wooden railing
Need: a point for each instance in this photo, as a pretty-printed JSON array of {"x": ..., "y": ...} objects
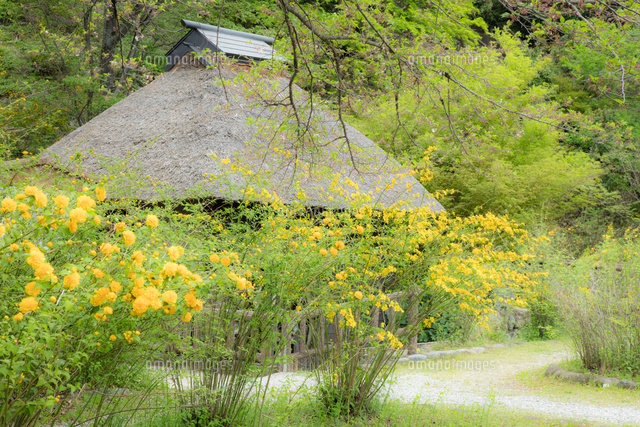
[{"x": 298, "y": 352}]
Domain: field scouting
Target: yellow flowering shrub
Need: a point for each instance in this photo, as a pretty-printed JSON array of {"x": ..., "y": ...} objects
[
  {"x": 356, "y": 266},
  {"x": 97, "y": 287},
  {"x": 66, "y": 304}
]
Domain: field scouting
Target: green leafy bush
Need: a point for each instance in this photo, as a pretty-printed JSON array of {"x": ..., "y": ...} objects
[{"x": 598, "y": 297}]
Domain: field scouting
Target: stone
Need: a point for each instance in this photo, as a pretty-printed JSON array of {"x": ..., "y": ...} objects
[
  {"x": 573, "y": 377},
  {"x": 551, "y": 369},
  {"x": 629, "y": 385},
  {"x": 417, "y": 357},
  {"x": 605, "y": 381},
  {"x": 477, "y": 350},
  {"x": 404, "y": 360},
  {"x": 435, "y": 354}
]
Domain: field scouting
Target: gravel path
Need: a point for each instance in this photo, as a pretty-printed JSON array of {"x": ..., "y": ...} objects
[{"x": 489, "y": 379}]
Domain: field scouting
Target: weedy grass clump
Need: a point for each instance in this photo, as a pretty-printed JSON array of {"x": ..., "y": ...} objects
[{"x": 598, "y": 296}]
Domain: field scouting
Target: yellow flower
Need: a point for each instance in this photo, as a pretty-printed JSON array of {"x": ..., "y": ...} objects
[
  {"x": 23, "y": 207},
  {"x": 53, "y": 299},
  {"x": 113, "y": 338},
  {"x": 140, "y": 306},
  {"x": 36, "y": 258},
  {"x": 85, "y": 202},
  {"x": 61, "y": 201},
  {"x": 225, "y": 260},
  {"x": 101, "y": 194},
  {"x": 170, "y": 297},
  {"x": 358, "y": 294},
  {"x": 339, "y": 244},
  {"x": 214, "y": 258},
  {"x": 2, "y": 230},
  {"x": 153, "y": 295},
  {"x": 193, "y": 302},
  {"x": 98, "y": 273},
  {"x": 129, "y": 237},
  {"x": 78, "y": 215},
  {"x": 31, "y": 191},
  {"x": 380, "y": 335},
  {"x": 30, "y": 289},
  {"x": 152, "y": 221},
  {"x": 106, "y": 248},
  {"x": 120, "y": 226},
  {"x": 175, "y": 252},
  {"x": 138, "y": 257},
  {"x": 41, "y": 199},
  {"x": 187, "y": 317},
  {"x": 73, "y": 226},
  {"x": 170, "y": 269},
  {"x": 323, "y": 252},
  {"x": 18, "y": 317},
  {"x": 29, "y": 304},
  {"x": 72, "y": 280},
  {"x": 108, "y": 310},
  {"x": 100, "y": 296},
  {"x": 360, "y": 229},
  {"x": 8, "y": 205},
  {"x": 115, "y": 286},
  {"x": 333, "y": 251},
  {"x": 96, "y": 220}
]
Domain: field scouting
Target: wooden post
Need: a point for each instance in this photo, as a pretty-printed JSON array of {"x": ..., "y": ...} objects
[
  {"x": 302, "y": 340},
  {"x": 412, "y": 321}
]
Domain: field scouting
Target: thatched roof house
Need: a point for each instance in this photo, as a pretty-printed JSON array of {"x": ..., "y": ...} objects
[{"x": 197, "y": 132}]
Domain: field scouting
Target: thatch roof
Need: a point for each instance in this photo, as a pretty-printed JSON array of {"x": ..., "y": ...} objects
[{"x": 172, "y": 139}]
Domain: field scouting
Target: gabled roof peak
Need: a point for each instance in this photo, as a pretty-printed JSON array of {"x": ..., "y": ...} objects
[
  {"x": 198, "y": 25},
  {"x": 245, "y": 47}
]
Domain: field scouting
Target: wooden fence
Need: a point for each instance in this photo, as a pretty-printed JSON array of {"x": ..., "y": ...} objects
[{"x": 299, "y": 351}]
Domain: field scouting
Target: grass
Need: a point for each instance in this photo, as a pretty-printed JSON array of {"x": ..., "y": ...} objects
[
  {"x": 575, "y": 365},
  {"x": 281, "y": 410},
  {"x": 402, "y": 414},
  {"x": 538, "y": 384}
]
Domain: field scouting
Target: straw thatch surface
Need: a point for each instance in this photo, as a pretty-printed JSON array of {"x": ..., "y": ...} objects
[{"x": 172, "y": 138}]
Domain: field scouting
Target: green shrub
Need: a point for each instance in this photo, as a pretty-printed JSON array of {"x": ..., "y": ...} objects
[{"x": 598, "y": 297}]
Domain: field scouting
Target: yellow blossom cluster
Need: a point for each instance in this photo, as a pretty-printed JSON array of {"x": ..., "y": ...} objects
[
  {"x": 394, "y": 342},
  {"x": 98, "y": 280}
]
